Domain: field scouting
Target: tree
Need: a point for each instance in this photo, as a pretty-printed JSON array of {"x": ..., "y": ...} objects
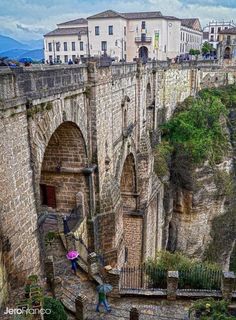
[{"x": 207, "y": 47}]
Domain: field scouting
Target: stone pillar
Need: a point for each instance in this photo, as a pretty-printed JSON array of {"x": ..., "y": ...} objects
[
  {"x": 227, "y": 285},
  {"x": 112, "y": 277},
  {"x": 93, "y": 265},
  {"x": 172, "y": 284},
  {"x": 50, "y": 273},
  {"x": 134, "y": 314},
  {"x": 80, "y": 307}
]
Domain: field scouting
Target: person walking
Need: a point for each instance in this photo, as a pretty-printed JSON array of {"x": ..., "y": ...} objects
[{"x": 102, "y": 299}]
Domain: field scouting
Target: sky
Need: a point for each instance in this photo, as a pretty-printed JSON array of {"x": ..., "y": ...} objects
[{"x": 30, "y": 19}]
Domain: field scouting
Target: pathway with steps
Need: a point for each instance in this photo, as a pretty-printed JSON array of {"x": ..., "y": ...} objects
[{"x": 72, "y": 286}]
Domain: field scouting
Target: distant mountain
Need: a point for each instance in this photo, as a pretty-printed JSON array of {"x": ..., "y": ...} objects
[
  {"x": 36, "y": 54},
  {"x": 14, "y": 49},
  {"x": 13, "y": 53},
  {"x": 7, "y": 43},
  {"x": 16, "y": 54},
  {"x": 35, "y": 44}
]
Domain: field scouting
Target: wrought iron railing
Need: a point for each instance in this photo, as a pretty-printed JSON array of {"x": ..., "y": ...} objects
[
  {"x": 143, "y": 39},
  {"x": 152, "y": 278},
  {"x": 143, "y": 277},
  {"x": 200, "y": 279}
]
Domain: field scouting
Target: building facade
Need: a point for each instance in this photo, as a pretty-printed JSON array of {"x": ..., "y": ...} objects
[
  {"x": 227, "y": 44},
  {"x": 68, "y": 42},
  {"x": 123, "y": 36},
  {"x": 211, "y": 33},
  {"x": 128, "y": 36},
  {"x": 191, "y": 35}
]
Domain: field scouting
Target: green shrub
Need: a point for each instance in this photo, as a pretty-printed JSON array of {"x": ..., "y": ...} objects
[
  {"x": 57, "y": 309},
  {"x": 192, "y": 274},
  {"x": 210, "y": 309},
  {"x": 162, "y": 156}
]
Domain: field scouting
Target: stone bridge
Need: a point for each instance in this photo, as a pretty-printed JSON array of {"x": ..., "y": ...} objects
[{"x": 83, "y": 135}]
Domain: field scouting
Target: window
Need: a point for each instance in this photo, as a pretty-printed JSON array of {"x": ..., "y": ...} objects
[
  {"x": 124, "y": 31},
  {"x": 212, "y": 30},
  {"x": 48, "y": 195},
  {"x": 124, "y": 45},
  {"x": 65, "y": 46},
  {"x": 50, "y": 58},
  {"x": 66, "y": 59},
  {"x": 125, "y": 56},
  {"x": 219, "y": 29},
  {"x": 73, "y": 46},
  {"x": 143, "y": 37},
  {"x": 143, "y": 25},
  {"x": 226, "y": 28},
  {"x": 97, "y": 31},
  {"x": 110, "y": 30},
  {"x": 212, "y": 38},
  {"x": 58, "y": 46},
  {"x": 183, "y": 36},
  {"x": 104, "y": 46},
  {"x": 81, "y": 46},
  {"x": 73, "y": 57},
  {"x": 50, "y": 46},
  {"x": 58, "y": 59}
]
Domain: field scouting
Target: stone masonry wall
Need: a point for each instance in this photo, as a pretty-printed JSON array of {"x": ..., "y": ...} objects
[
  {"x": 109, "y": 106},
  {"x": 18, "y": 211}
]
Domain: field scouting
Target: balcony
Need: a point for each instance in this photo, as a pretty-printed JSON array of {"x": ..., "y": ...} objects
[{"x": 143, "y": 39}]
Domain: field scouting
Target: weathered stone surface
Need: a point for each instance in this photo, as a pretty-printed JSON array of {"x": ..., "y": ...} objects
[{"x": 55, "y": 123}]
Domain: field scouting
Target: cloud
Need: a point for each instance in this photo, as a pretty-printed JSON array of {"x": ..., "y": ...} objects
[
  {"x": 30, "y": 19},
  {"x": 31, "y": 30}
]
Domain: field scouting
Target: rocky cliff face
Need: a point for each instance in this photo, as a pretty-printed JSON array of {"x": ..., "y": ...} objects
[{"x": 201, "y": 220}]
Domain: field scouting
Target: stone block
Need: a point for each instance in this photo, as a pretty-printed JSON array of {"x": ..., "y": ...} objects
[{"x": 172, "y": 284}]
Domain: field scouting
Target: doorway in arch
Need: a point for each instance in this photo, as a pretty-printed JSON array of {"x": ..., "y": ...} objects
[{"x": 143, "y": 54}]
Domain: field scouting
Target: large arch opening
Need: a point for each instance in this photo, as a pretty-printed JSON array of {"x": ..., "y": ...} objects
[
  {"x": 62, "y": 177},
  {"x": 227, "y": 53},
  {"x": 143, "y": 54},
  {"x": 132, "y": 220}
]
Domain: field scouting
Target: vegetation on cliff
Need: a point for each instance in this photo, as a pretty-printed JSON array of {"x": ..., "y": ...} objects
[{"x": 196, "y": 133}]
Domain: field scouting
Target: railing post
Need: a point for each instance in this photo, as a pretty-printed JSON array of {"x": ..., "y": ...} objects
[
  {"x": 172, "y": 284},
  {"x": 80, "y": 307},
  {"x": 227, "y": 285},
  {"x": 50, "y": 273},
  {"x": 134, "y": 314},
  {"x": 113, "y": 278}
]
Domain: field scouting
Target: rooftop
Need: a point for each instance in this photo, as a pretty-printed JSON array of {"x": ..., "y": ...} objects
[
  {"x": 73, "y": 22},
  {"x": 192, "y": 23},
  {"x": 131, "y": 15},
  {"x": 68, "y": 31},
  {"x": 228, "y": 31}
]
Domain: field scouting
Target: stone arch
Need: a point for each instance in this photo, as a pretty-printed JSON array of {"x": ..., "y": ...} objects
[
  {"x": 128, "y": 147},
  {"x": 227, "y": 53},
  {"x": 143, "y": 54},
  {"x": 132, "y": 220},
  {"x": 44, "y": 124},
  {"x": 61, "y": 175}
]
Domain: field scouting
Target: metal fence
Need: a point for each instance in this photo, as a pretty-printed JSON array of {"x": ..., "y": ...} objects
[
  {"x": 142, "y": 277},
  {"x": 147, "y": 277},
  {"x": 200, "y": 278}
]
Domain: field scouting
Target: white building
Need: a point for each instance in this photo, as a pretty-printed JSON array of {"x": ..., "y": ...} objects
[
  {"x": 191, "y": 35},
  {"x": 211, "y": 33},
  {"x": 123, "y": 36},
  {"x": 68, "y": 42},
  {"x": 133, "y": 35}
]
